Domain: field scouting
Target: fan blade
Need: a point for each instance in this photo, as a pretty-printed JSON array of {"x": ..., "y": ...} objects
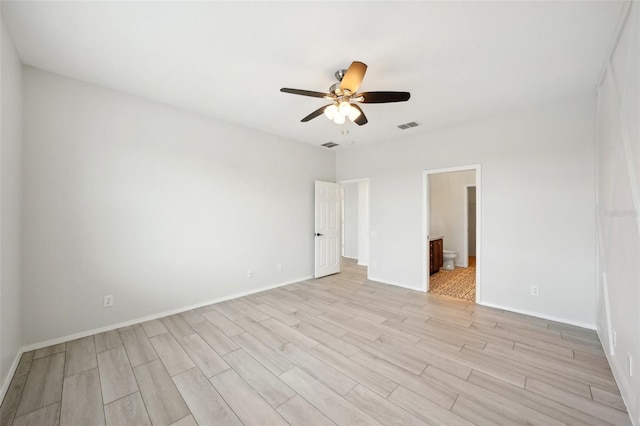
[
  {"x": 314, "y": 114},
  {"x": 304, "y": 92},
  {"x": 362, "y": 119},
  {"x": 384, "y": 97},
  {"x": 353, "y": 78}
]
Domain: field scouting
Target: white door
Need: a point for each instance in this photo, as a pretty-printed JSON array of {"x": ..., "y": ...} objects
[{"x": 328, "y": 227}]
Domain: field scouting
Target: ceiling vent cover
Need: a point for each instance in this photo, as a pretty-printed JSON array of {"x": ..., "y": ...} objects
[
  {"x": 330, "y": 144},
  {"x": 409, "y": 125}
]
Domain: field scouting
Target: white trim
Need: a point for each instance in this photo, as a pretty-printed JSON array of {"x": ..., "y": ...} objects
[
  {"x": 452, "y": 169},
  {"x": 581, "y": 324},
  {"x": 342, "y": 221},
  {"x": 425, "y": 232},
  {"x": 623, "y": 385},
  {"x": 504, "y": 308},
  {"x": 395, "y": 284},
  {"x": 479, "y": 234},
  {"x": 607, "y": 313},
  {"x": 425, "y": 223},
  {"x": 82, "y": 334},
  {"x": 10, "y": 374},
  {"x": 353, "y": 180}
]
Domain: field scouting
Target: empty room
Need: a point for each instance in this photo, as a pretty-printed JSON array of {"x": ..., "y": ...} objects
[{"x": 320, "y": 213}]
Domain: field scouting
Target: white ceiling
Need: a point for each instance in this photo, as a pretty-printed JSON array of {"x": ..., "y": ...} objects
[{"x": 459, "y": 60}]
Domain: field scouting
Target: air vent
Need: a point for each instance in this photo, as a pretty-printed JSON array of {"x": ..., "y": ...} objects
[
  {"x": 329, "y": 144},
  {"x": 409, "y": 125}
]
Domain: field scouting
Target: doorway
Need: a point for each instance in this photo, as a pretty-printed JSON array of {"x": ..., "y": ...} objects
[
  {"x": 452, "y": 232},
  {"x": 355, "y": 223}
]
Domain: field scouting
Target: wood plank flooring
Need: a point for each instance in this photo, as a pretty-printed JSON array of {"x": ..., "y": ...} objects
[{"x": 340, "y": 350}]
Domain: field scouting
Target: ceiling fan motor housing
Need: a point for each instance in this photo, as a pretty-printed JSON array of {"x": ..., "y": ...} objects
[{"x": 340, "y": 74}]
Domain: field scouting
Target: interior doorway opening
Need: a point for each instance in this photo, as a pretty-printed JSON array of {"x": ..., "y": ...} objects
[
  {"x": 355, "y": 221},
  {"x": 452, "y": 249}
]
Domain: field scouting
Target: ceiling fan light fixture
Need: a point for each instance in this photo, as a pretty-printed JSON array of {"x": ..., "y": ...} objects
[
  {"x": 354, "y": 114},
  {"x": 331, "y": 111},
  {"x": 345, "y": 108},
  {"x": 342, "y": 94}
]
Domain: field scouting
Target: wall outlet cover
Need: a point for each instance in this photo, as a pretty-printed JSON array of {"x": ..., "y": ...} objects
[{"x": 108, "y": 301}]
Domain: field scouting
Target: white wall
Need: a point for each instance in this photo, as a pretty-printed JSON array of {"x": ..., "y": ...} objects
[
  {"x": 363, "y": 223},
  {"x": 158, "y": 206},
  {"x": 471, "y": 220},
  {"x": 618, "y": 211},
  {"x": 10, "y": 207},
  {"x": 537, "y": 192},
  {"x": 351, "y": 215},
  {"x": 448, "y": 205}
]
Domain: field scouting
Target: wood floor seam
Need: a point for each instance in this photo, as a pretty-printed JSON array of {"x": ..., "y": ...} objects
[
  {"x": 34, "y": 411},
  {"x": 339, "y": 350}
]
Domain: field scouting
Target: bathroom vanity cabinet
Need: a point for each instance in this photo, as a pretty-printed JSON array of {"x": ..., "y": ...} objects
[{"x": 435, "y": 255}]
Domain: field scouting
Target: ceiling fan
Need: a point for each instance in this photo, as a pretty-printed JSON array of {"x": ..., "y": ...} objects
[{"x": 343, "y": 95}]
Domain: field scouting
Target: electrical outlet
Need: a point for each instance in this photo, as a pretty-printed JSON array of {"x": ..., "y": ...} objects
[
  {"x": 249, "y": 273},
  {"x": 374, "y": 264},
  {"x": 615, "y": 338},
  {"x": 108, "y": 301},
  {"x": 630, "y": 364},
  {"x": 279, "y": 267},
  {"x": 535, "y": 291}
]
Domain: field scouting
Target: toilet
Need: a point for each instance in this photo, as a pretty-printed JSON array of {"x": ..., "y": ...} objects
[{"x": 448, "y": 256}]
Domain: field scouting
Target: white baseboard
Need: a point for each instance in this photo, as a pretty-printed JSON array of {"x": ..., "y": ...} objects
[
  {"x": 7, "y": 380},
  {"x": 589, "y": 326},
  {"x": 86, "y": 333},
  {"x": 626, "y": 393},
  {"x": 34, "y": 346},
  {"x": 396, "y": 284},
  {"x": 504, "y": 308}
]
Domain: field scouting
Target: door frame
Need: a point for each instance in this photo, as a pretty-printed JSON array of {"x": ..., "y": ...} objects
[
  {"x": 426, "y": 204},
  {"x": 365, "y": 261}
]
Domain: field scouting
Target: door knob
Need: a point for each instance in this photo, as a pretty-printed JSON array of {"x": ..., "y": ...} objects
[{"x": 319, "y": 234}]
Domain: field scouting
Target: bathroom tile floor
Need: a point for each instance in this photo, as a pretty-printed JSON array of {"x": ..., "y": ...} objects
[{"x": 459, "y": 283}]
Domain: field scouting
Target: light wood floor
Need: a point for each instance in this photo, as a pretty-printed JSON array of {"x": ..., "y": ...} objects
[{"x": 338, "y": 350}]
